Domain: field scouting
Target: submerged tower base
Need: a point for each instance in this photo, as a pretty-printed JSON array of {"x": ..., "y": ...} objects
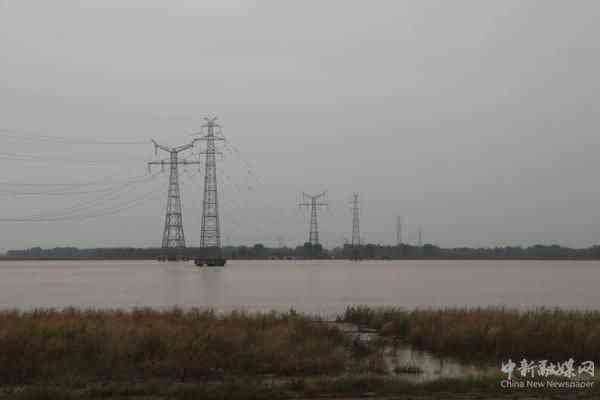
[
  {"x": 211, "y": 257},
  {"x": 210, "y": 262},
  {"x": 172, "y": 257}
]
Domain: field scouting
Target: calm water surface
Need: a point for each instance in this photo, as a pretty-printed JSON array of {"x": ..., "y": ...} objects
[{"x": 324, "y": 287}]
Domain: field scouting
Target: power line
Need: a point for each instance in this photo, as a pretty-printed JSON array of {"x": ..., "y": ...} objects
[
  {"x": 101, "y": 182},
  {"x": 113, "y": 194},
  {"x": 28, "y": 136},
  {"x": 115, "y": 209},
  {"x": 235, "y": 151},
  {"x": 45, "y": 159},
  {"x": 68, "y": 191},
  {"x": 88, "y": 206}
]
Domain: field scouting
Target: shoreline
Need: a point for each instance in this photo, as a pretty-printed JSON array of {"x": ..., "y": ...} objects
[{"x": 4, "y": 259}]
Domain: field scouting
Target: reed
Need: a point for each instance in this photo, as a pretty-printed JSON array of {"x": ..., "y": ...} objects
[
  {"x": 359, "y": 386},
  {"x": 492, "y": 333},
  {"x": 79, "y": 345}
]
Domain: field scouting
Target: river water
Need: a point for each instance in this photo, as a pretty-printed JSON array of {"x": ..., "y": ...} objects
[{"x": 322, "y": 287}]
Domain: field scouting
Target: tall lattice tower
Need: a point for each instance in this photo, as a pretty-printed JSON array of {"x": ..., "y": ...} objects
[
  {"x": 210, "y": 235},
  {"x": 173, "y": 235},
  {"x": 355, "y": 228},
  {"x": 398, "y": 230},
  {"x": 313, "y": 203}
]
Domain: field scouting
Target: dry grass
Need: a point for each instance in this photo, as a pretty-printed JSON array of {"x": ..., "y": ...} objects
[
  {"x": 490, "y": 333},
  {"x": 359, "y": 386},
  {"x": 74, "y": 345},
  {"x": 77, "y": 354}
]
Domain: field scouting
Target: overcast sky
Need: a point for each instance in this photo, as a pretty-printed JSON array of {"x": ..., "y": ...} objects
[{"x": 477, "y": 120}]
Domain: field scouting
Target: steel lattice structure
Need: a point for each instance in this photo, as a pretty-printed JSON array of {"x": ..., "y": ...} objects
[
  {"x": 355, "y": 222},
  {"x": 173, "y": 234},
  {"x": 210, "y": 235},
  {"x": 355, "y": 229},
  {"x": 313, "y": 236},
  {"x": 398, "y": 230}
]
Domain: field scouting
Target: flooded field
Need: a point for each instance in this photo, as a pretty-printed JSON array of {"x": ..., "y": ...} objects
[
  {"x": 318, "y": 287},
  {"x": 418, "y": 366}
]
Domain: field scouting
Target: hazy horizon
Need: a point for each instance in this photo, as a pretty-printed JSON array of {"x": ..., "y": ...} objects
[{"x": 475, "y": 120}]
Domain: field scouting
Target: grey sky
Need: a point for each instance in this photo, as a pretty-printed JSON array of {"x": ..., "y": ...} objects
[{"x": 477, "y": 120}]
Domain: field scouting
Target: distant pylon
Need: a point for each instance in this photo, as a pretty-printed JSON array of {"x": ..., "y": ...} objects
[
  {"x": 355, "y": 222},
  {"x": 398, "y": 230},
  {"x": 355, "y": 228},
  {"x": 173, "y": 235},
  {"x": 420, "y": 243},
  {"x": 313, "y": 236},
  {"x": 210, "y": 234},
  {"x": 280, "y": 240}
]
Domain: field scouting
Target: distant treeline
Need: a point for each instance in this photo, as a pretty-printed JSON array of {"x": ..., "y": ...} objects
[{"x": 368, "y": 251}]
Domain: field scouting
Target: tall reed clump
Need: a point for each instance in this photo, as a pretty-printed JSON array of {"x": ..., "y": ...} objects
[
  {"x": 45, "y": 345},
  {"x": 490, "y": 333}
]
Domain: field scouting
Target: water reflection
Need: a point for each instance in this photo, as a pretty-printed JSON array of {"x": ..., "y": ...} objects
[
  {"x": 317, "y": 287},
  {"x": 431, "y": 367},
  {"x": 425, "y": 365}
]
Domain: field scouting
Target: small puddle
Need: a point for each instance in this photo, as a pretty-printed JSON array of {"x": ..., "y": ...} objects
[
  {"x": 424, "y": 366},
  {"x": 430, "y": 366}
]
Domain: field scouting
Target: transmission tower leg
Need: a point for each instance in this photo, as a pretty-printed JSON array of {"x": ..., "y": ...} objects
[
  {"x": 173, "y": 235},
  {"x": 210, "y": 235}
]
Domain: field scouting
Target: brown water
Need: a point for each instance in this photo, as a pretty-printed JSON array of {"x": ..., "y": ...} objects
[
  {"x": 324, "y": 287},
  {"x": 430, "y": 366}
]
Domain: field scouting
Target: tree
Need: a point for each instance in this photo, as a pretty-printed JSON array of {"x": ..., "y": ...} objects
[
  {"x": 430, "y": 250},
  {"x": 259, "y": 250}
]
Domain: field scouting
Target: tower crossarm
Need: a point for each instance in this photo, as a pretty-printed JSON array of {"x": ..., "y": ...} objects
[
  {"x": 314, "y": 197},
  {"x": 205, "y": 137},
  {"x": 177, "y": 149},
  {"x": 183, "y": 147},
  {"x": 168, "y": 162},
  {"x": 162, "y": 163},
  {"x": 159, "y": 146},
  {"x": 211, "y": 131}
]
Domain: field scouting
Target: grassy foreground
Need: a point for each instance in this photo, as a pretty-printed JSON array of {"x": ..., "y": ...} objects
[
  {"x": 79, "y": 346},
  {"x": 345, "y": 387},
  {"x": 491, "y": 334},
  {"x": 158, "y": 355}
]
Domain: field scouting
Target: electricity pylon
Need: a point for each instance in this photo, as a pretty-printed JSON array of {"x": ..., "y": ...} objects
[
  {"x": 210, "y": 235},
  {"x": 173, "y": 235},
  {"x": 280, "y": 240},
  {"x": 399, "y": 235},
  {"x": 355, "y": 228},
  {"x": 313, "y": 236}
]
